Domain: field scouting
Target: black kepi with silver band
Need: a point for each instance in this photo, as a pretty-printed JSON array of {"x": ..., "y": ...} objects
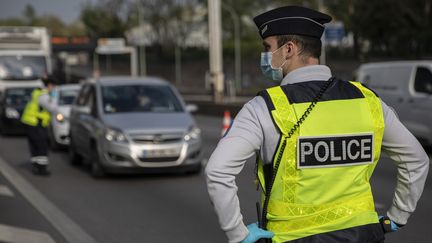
[{"x": 291, "y": 20}]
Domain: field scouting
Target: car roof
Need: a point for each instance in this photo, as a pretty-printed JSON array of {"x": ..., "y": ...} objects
[
  {"x": 127, "y": 80},
  {"x": 21, "y": 84},
  {"x": 68, "y": 86},
  {"x": 409, "y": 63}
]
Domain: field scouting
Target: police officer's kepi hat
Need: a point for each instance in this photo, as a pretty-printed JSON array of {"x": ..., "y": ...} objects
[{"x": 291, "y": 20}]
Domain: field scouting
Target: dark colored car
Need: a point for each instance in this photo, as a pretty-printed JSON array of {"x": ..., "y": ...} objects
[{"x": 12, "y": 103}]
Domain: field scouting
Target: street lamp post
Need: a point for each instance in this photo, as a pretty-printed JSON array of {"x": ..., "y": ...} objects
[
  {"x": 323, "y": 40},
  {"x": 237, "y": 43},
  {"x": 215, "y": 49},
  {"x": 141, "y": 48},
  {"x": 178, "y": 71}
]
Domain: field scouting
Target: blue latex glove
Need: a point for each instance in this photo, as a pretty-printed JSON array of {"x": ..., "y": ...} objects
[
  {"x": 388, "y": 224},
  {"x": 256, "y": 233}
]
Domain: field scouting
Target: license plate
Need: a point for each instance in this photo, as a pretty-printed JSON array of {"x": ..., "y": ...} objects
[{"x": 158, "y": 153}]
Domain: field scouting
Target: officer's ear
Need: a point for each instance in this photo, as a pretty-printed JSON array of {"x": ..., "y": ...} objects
[{"x": 290, "y": 49}]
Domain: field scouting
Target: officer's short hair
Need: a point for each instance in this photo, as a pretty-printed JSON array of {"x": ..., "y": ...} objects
[
  {"x": 48, "y": 79},
  {"x": 309, "y": 46}
]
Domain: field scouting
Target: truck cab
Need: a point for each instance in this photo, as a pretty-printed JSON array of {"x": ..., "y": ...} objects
[
  {"x": 25, "y": 53},
  {"x": 25, "y": 56}
]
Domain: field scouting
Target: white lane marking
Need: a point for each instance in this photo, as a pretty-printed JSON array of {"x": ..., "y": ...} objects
[
  {"x": 5, "y": 191},
  {"x": 380, "y": 205},
  {"x": 19, "y": 235},
  {"x": 71, "y": 231}
]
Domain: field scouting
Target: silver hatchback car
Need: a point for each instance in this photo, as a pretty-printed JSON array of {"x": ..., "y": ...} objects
[
  {"x": 58, "y": 129},
  {"x": 124, "y": 124}
]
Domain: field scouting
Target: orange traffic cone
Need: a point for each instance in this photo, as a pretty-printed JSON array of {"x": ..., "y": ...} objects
[{"x": 226, "y": 122}]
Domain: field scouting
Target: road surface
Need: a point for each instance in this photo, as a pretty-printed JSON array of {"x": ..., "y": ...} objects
[{"x": 71, "y": 206}]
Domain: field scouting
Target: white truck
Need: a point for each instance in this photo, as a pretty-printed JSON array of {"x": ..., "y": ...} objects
[{"x": 25, "y": 53}]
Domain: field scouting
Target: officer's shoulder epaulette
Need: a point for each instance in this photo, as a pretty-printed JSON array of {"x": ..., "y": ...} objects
[
  {"x": 266, "y": 96},
  {"x": 373, "y": 91},
  {"x": 270, "y": 106},
  {"x": 367, "y": 87}
]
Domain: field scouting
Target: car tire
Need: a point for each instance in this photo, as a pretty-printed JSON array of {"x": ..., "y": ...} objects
[
  {"x": 74, "y": 157},
  {"x": 3, "y": 130},
  {"x": 96, "y": 169},
  {"x": 195, "y": 170}
]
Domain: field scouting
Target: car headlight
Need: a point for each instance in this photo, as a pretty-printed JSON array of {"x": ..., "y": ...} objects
[
  {"x": 113, "y": 135},
  {"x": 12, "y": 113},
  {"x": 60, "y": 117},
  {"x": 194, "y": 133}
]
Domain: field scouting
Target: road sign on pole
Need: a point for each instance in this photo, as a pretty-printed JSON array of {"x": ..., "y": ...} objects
[
  {"x": 334, "y": 33},
  {"x": 114, "y": 46}
]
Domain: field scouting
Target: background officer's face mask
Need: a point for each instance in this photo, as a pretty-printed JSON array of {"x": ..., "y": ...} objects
[
  {"x": 275, "y": 74},
  {"x": 53, "y": 93}
]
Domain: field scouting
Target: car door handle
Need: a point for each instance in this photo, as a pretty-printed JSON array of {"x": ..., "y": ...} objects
[
  {"x": 410, "y": 100},
  {"x": 400, "y": 100}
]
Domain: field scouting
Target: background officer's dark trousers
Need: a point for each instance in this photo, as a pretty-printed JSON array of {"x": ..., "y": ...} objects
[{"x": 38, "y": 142}]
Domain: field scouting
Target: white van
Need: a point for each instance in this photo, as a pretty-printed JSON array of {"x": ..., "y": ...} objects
[{"x": 407, "y": 87}]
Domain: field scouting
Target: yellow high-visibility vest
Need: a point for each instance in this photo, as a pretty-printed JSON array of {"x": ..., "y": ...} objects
[
  {"x": 33, "y": 113},
  {"x": 322, "y": 183}
]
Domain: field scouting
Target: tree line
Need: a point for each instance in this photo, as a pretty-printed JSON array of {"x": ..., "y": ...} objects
[{"x": 384, "y": 28}]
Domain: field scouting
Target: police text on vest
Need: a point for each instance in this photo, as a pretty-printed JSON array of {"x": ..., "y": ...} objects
[{"x": 334, "y": 150}]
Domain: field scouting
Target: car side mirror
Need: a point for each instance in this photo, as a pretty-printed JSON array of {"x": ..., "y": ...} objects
[{"x": 192, "y": 108}]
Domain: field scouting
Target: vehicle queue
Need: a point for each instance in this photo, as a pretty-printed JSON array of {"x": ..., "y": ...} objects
[{"x": 121, "y": 125}]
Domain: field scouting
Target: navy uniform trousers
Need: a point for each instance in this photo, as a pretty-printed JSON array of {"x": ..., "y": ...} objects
[
  {"x": 38, "y": 140},
  {"x": 370, "y": 233}
]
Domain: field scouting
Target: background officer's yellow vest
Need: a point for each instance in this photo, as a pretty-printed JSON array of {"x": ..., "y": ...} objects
[
  {"x": 33, "y": 113},
  {"x": 314, "y": 200}
]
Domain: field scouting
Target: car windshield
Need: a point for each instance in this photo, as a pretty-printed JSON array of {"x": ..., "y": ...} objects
[
  {"x": 67, "y": 97},
  {"x": 18, "y": 96},
  {"x": 139, "y": 98},
  {"x": 20, "y": 67}
]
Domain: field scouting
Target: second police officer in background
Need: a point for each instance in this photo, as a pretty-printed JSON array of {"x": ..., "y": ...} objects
[
  {"x": 319, "y": 139},
  {"x": 36, "y": 117}
]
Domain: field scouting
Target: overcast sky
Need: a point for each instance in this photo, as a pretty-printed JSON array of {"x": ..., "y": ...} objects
[{"x": 67, "y": 10}]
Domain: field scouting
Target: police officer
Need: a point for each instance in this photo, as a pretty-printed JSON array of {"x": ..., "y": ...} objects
[
  {"x": 319, "y": 139},
  {"x": 36, "y": 117}
]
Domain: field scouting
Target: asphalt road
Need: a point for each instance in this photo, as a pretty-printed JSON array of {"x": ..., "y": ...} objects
[{"x": 156, "y": 208}]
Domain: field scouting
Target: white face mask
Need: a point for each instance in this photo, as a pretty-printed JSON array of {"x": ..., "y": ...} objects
[{"x": 275, "y": 74}]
